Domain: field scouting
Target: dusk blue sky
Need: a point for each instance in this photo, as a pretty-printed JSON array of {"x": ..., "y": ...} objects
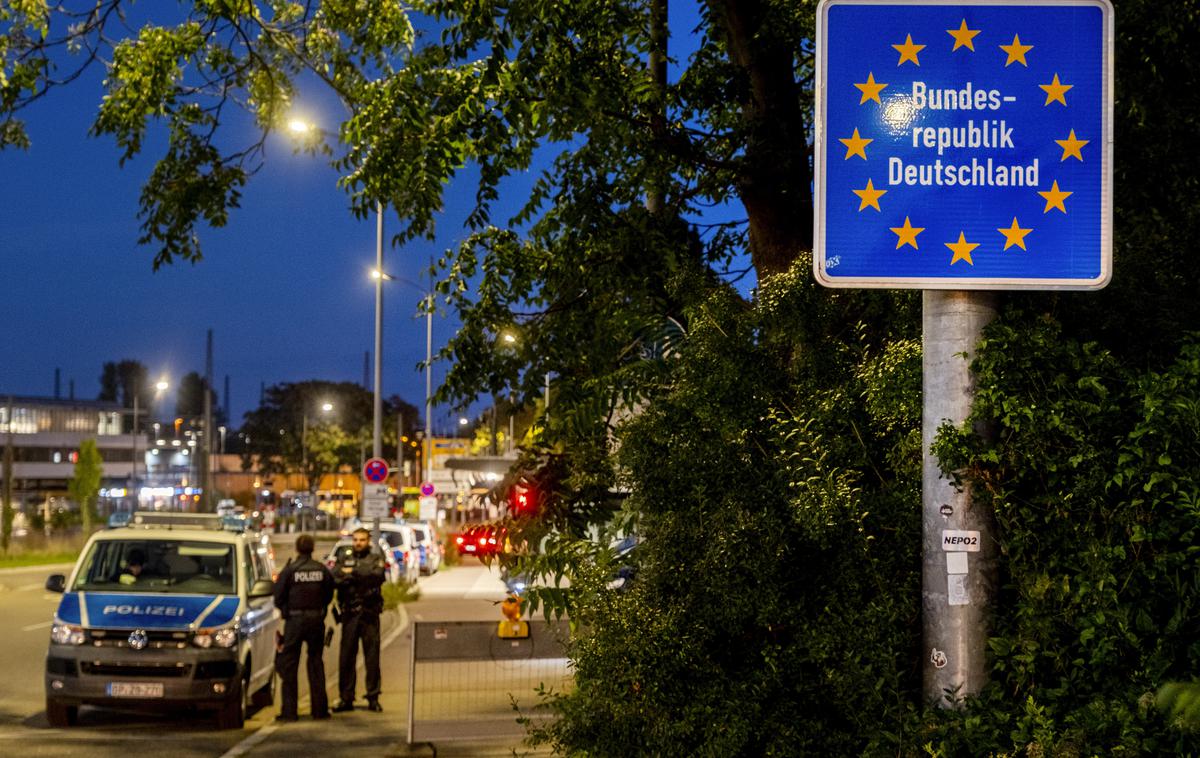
[{"x": 284, "y": 286}]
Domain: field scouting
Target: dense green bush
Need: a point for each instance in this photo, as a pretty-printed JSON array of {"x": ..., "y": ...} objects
[
  {"x": 1095, "y": 483},
  {"x": 775, "y": 609}
]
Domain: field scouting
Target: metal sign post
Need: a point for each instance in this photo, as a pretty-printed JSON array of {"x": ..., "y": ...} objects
[
  {"x": 375, "y": 495},
  {"x": 961, "y": 147}
]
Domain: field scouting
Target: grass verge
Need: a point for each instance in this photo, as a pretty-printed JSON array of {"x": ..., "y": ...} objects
[
  {"x": 38, "y": 550},
  {"x": 37, "y": 558},
  {"x": 395, "y": 594}
]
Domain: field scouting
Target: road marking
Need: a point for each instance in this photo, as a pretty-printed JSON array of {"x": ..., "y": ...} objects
[
  {"x": 31, "y": 587},
  {"x": 265, "y": 731},
  {"x": 35, "y": 627}
]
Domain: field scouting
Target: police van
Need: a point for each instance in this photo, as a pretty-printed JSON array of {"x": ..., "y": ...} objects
[{"x": 174, "y": 609}]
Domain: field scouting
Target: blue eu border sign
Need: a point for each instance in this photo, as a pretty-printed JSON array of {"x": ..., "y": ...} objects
[{"x": 964, "y": 145}]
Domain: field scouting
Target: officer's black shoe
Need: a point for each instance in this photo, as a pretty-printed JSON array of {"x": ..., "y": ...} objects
[
  {"x": 373, "y": 705},
  {"x": 343, "y": 706},
  {"x": 286, "y": 719},
  {"x": 321, "y": 716}
]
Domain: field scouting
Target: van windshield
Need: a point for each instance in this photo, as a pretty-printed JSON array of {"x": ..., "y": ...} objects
[{"x": 151, "y": 565}]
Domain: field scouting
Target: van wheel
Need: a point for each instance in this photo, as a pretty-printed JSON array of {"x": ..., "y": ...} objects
[
  {"x": 265, "y": 695},
  {"x": 60, "y": 714},
  {"x": 232, "y": 714}
]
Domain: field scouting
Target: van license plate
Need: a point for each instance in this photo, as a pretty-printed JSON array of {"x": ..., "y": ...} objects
[{"x": 135, "y": 689}]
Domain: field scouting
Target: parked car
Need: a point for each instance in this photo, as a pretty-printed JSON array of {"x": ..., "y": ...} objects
[
  {"x": 171, "y": 610},
  {"x": 396, "y": 569},
  {"x": 483, "y": 540},
  {"x": 429, "y": 543},
  {"x": 402, "y": 542}
]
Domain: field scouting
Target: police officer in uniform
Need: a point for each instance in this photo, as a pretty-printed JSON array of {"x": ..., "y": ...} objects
[
  {"x": 302, "y": 595},
  {"x": 359, "y": 576}
]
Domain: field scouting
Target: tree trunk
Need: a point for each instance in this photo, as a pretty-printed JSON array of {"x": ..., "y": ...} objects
[{"x": 776, "y": 178}]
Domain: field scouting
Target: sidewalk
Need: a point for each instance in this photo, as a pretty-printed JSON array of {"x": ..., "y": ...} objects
[{"x": 464, "y": 592}]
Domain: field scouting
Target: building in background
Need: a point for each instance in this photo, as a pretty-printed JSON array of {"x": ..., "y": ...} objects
[{"x": 45, "y": 434}]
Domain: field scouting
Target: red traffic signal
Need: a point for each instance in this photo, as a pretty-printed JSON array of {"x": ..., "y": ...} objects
[{"x": 522, "y": 500}]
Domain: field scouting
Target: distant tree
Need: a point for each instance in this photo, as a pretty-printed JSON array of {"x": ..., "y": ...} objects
[
  {"x": 271, "y": 434},
  {"x": 85, "y": 484},
  {"x": 189, "y": 401},
  {"x": 120, "y": 379}
]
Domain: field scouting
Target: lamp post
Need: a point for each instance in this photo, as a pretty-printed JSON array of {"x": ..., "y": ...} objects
[
  {"x": 159, "y": 387},
  {"x": 303, "y": 130},
  {"x": 325, "y": 408},
  {"x": 380, "y": 276}
]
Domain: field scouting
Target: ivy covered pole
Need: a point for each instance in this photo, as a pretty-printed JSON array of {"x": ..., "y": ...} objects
[{"x": 959, "y": 553}]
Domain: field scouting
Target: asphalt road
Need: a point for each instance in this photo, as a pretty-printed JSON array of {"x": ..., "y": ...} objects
[{"x": 468, "y": 592}]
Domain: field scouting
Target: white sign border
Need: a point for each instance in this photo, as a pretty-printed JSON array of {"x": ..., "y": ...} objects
[{"x": 949, "y": 283}]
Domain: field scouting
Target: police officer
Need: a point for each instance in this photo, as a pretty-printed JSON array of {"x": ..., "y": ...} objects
[
  {"x": 302, "y": 595},
  {"x": 359, "y": 576}
]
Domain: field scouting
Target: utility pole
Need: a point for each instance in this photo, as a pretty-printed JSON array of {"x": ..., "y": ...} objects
[
  {"x": 6, "y": 512},
  {"x": 429, "y": 381},
  {"x": 959, "y": 553},
  {"x": 133, "y": 470},
  {"x": 206, "y": 480},
  {"x": 377, "y": 418},
  {"x": 400, "y": 455}
]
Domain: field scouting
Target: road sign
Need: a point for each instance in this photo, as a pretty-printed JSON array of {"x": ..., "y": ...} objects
[
  {"x": 964, "y": 146},
  {"x": 427, "y": 508},
  {"x": 375, "y": 470},
  {"x": 375, "y": 501},
  {"x": 427, "y": 488}
]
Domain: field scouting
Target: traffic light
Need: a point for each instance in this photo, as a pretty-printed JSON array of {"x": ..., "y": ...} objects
[{"x": 522, "y": 500}]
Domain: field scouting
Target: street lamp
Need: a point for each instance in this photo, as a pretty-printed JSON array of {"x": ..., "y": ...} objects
[
  {"x": 305, "y": 130},
  {"x": 325, "y": 408},
  {"x": 380, "y": 276},
  {"x": 159, "y": 387}
]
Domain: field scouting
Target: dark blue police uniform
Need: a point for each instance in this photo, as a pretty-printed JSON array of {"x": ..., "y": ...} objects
[
  {"x": 302, "y": 594},
  {"x": 360, "y": 599}
]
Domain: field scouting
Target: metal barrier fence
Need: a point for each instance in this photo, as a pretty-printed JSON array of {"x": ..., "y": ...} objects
[{"x": 463, "y": 678}]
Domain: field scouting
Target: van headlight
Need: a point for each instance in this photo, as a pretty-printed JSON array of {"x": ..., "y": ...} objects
[
  {"x": 66, "y": 634},
  {"x": 226, "y": 637}
]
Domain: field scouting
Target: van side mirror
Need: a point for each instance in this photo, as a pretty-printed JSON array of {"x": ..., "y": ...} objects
[
  {"x": 262, "y": 588},
  {"x": 56, "y": 583}
]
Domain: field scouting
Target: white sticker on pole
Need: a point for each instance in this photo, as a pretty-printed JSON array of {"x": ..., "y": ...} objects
[
  {"x": 956, "y": 563},
  {"x": 956, "y": 589},
  {"x": 960, "y": 541}
]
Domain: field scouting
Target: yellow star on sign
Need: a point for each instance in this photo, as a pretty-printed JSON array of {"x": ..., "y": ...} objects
[
  {"x": 1071, "y": 146},
  {"x": 1054, "y": 198},
  {"x": 961, "y": 249},
  {"x": 869, "y": 196},
  {"x": 855, "y": 145},
  {"x": 871, "y": 89},
  {"x": 908, "y": 51},
  {"x": 963, "y": 37},
  {"x": 1014, "y": 235},
  {"x": 907, "y": 234},
  {"x": 1016, "y": 51},
  {"x": 1055, "y": 91}
]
